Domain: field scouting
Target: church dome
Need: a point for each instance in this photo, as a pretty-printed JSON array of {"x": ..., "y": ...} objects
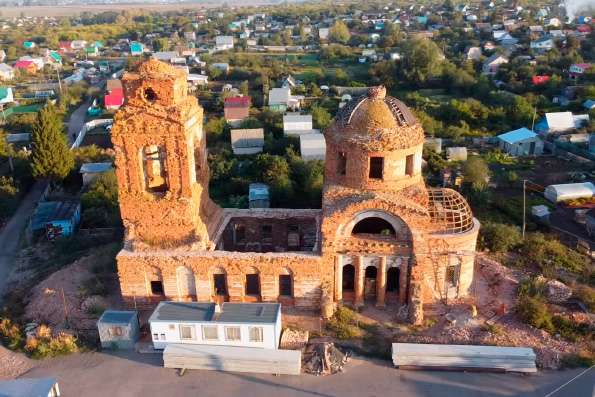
[
  {"x": 376, "y": 122},
  {"x": 450, "y": 211}
]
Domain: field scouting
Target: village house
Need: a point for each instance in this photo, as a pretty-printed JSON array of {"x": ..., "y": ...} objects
[
  {"x": 297, "y": 124},
  {"x": 576, "y": 70},
  {"x": 26, "y": 66},
  {"x": 491, "y": 65},
  {"x": 382, "y": 237},
  {"x": 247, "y": 141},
  {"x": 236, "y": 109},
  {"x": 556, "y": 122},
  {"x": 521, "y": 142},
  {"x": 542, "y": 44},
  {"x": 6, "y": 96},
  {"x": 280, "y": 99},
  {"x": 6, "y": 72},
  {"x": 114, "y": 97},
  {"x": 223, "y": 43}
]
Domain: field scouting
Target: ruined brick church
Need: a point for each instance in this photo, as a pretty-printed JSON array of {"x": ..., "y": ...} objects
[{"x": 381, "y": 237}]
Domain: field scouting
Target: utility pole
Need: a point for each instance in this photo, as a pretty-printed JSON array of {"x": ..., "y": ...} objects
[
  {"x": 59, "y": 81},
  {"x": 524, "y": 205},
  {"x": 533, "y": 122}
]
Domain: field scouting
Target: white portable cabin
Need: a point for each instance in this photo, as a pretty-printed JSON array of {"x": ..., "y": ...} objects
[
  {"x": 569, "y": 191},
  {"x": 255, "y": 325},
  {"x": 312, "y": 147}
]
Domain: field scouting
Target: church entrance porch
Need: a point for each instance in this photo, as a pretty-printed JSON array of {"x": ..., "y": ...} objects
[{"x": 371, "y": 279}]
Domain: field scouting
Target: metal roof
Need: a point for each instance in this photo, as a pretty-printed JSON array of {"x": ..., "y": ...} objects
[
  {"x": 117, "y": 317},
  {"x": 27, "y": 387},
  {"x": 205, "y": 312},
  {"x": 95, "y": 167},
  {"x": 183, "y": 311},
  {"x": 249, "y": 312},
  {"x": 519, "y": 135}
]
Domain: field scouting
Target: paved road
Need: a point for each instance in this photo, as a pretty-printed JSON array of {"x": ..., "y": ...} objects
[
  {"x": 132, "y": 374},
  {"x": 77, "y": 120}
]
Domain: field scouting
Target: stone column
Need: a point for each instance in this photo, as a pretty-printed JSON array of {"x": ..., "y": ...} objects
[
  {"x": 381, "y": 282},
  {"x": 338, "y": 278},
  {"x": 359, "y": 280},
  {"x": 403, "y": 269}
]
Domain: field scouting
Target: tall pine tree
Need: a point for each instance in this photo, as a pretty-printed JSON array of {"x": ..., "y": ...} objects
[{"x": 51, "y": 157}]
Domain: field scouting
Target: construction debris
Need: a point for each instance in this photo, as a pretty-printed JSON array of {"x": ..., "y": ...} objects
[
  {"x": 324, "y": 358},
  {"x": 294, "y": 339}
]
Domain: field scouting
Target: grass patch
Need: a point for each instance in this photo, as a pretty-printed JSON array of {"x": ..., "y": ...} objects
[{"x": 577, "y": 360}]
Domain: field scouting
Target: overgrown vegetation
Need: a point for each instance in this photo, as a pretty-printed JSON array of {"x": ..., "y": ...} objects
[{"x": 40, "y": 345}]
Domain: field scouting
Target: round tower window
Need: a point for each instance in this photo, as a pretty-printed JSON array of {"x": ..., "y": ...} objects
[{"x": 149, "y": 95}]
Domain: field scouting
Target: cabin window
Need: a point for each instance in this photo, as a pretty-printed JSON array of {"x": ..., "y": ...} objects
[
  {"x": 116, "y": 331},
  {"x": 162, "y": 336},
  {"x": 409, "y": 164},
  {"x": 155, "y": 336},
  {"x": 376, "y": 167},
  {"x": 256, "y": 334},
  {"x": 154, "y": 168},
  {"x": 233, "y": 334},
  {"x": 252, "y": 284},
  {"x": 285, "y": 285},
  {"x": 157, "y": 287},
  {"x": 187, "y": 332},
  {"x": 342, "y": 164},
  {"x": 210, "y": 332}
]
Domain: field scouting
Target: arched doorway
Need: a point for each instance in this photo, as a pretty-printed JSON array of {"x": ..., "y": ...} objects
[
  {"x": 155, "y": 283},
  {"x": 348, "y": 278},
  {"x": 370, "y": 277},
  {"x": 219, "y": 280},
  {"x": 186, "y": 284}
]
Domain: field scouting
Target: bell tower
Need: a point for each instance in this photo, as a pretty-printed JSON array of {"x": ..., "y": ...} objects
[{"x": 161, "y": 163}]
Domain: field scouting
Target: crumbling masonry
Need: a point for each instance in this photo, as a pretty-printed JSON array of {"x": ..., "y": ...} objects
[{"x": 380, "y": 237}]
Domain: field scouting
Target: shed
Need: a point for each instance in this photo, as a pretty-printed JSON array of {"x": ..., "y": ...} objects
[
  {"x": 312, "y": 147},
  {"x": 541, "y": 212},
  {"x": 57, "y": 218},
  {"x": 90, "y": 171},
  {"x": 434, "y": 144},
  {"x": 247, "y": 141},
  {"x": 521, "y": 142},
  {"x": 569, "y": 191},
  {"x": 258, "y": 196},
  {"x": 118, "y": 329},
  {"x": 30, "y": 387},
  {"x": 256, "y": 325},
  {"x": 456, "y": 153},
  {"x": 297, "y": 124}
]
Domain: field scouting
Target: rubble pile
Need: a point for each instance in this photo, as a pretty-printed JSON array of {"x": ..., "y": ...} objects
[
  {"x": 324, "y": 358},
  {"x": 294, "y": 339},
  {"x": 556, "y": 291}
]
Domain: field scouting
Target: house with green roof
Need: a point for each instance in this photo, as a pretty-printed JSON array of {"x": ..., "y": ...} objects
[
  {"x": 6, "y": 96},
  {"x": 28, "y": 45}
]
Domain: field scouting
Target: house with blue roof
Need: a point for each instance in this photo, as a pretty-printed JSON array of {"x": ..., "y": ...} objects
[{"x": 521, "y": 142}]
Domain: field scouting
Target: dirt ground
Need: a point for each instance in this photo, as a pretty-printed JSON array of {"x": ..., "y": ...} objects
[{"x": 13, "y": 365}]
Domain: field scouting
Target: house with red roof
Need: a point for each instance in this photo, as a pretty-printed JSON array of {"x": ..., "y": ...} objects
[
  {"x": 26, "y": 66},
  {"x": 114, "y": 98},
  {"x": 538, "y": 80},
  {"x": 236, "y": 109}
]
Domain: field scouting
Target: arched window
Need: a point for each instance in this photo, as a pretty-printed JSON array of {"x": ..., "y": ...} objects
[
  {"x": 154, "y": 168},
  {"x": 219, "y": 282},
  {"x": 348, "y": 278},
  {"x": 371, "y": 272},
  {"x": 374, "y": 225}
]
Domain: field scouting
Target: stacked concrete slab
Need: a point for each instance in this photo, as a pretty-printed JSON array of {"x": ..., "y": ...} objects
[
  {"x": 467, "y": 357},
  {"x": 233, "y": 359}
]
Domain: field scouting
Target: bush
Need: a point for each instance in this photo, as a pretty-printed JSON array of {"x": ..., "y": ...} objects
[
  {"x": 499, "y": 237},
  {"x": 10, "y": 334},
  {"x": 580, "y": 359},
  {"x": 343, "y": 324},
  {"x": 550, "y": 255},
  {"x": 535, "y": 312},
  {"x": 587, "y": 295},
  {"x": 570, "y": 330}
]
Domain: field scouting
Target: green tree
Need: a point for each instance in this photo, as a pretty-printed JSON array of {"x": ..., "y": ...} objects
[
  {"x": 161, "y": 44},
  {"x": 421, "y": 60},
  {"x": 321, "y": 117},
  {"x": 4, "y": 146},
  {"x": 499, "y": 237},
  {"x": 244, "y": 88},
  {"x": 51, "y": 157},
  {"x": 339, "y": 32},
  {"x": 476, "y": 173}
]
